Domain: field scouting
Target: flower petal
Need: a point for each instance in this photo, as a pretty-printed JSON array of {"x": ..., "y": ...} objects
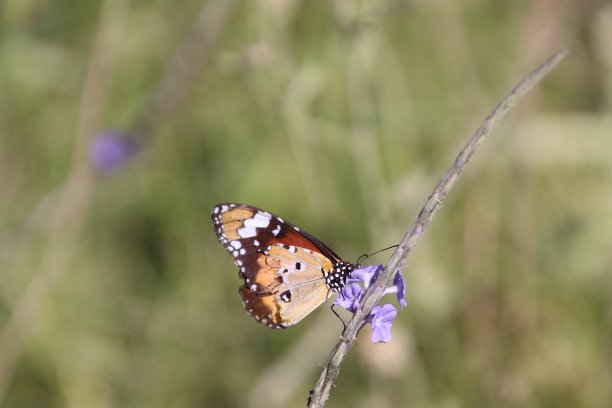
[
  {"x": 398, "y": 281},
  {"x": 382, "y": 321},
  {"x": 366, "y": 274},
  {"x": 349, "y": 297}
]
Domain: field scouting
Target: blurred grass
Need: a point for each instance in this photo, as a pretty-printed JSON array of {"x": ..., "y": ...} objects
[{"x": 340, "y": 117}]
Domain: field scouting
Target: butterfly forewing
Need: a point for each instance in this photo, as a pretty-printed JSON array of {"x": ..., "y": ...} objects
[{"x": 287, "y": 272}]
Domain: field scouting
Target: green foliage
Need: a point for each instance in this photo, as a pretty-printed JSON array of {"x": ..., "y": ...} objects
[{"x": 337, "y": 116}]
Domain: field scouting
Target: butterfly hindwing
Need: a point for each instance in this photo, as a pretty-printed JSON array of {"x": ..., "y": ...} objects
[{"x": 298, "y": 289}]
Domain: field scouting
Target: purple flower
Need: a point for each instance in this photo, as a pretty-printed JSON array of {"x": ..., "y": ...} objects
[
  {"x": 382, "y": 320},
  {"x": 110, "y": 150},
  {"x": 366, "y": 274},
  {"x": 381, "y": 317},
  {"x": 399, "y": 288},
  {"x": 349, "y": 297}
]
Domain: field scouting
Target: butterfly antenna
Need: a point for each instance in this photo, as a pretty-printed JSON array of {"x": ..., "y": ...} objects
[{"x": 365, "y": 256}]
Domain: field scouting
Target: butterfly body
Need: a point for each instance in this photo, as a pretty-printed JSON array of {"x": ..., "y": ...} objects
[{"x": 287, "y": 272}]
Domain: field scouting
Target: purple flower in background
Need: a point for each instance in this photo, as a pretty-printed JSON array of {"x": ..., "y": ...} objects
[
  {"x": 382, "y": 320},
  {"x": 349, "y": 297},
  {"x": 110, "y": 150}
]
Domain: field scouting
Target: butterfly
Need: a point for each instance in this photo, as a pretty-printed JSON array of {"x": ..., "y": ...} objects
[{"x": 287, "y": 272}]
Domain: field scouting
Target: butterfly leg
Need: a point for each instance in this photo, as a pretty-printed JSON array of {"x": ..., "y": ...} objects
[{"x": 338, "y": 316}]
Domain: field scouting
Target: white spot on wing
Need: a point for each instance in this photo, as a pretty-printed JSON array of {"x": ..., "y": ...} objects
[
  {"x": 236, "y": 244},
  {"x": 247, "y": 232},
  {"x": 256, "y": 242},
  {"x": 259, "y": 221},
  {"x": 276, "y": 230}
]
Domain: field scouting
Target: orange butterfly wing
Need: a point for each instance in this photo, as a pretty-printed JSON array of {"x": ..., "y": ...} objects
[
  {"x": 298, "y": 286},
  {"x": 287, "y": 272}
]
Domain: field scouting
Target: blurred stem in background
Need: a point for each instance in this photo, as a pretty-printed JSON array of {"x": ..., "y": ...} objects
[
  {"x": 103, "y": 152},
  {"x": 71, "y": 208}
]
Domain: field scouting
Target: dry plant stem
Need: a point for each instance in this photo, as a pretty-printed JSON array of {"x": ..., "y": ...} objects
[{"x": 322, "y": 389}]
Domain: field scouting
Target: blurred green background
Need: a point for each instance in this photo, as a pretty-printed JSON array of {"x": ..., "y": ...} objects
[{"x": 339, "y": 116}]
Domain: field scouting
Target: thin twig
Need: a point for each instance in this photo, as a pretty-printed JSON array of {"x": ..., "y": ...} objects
[{"x": 330, "y": 372}]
